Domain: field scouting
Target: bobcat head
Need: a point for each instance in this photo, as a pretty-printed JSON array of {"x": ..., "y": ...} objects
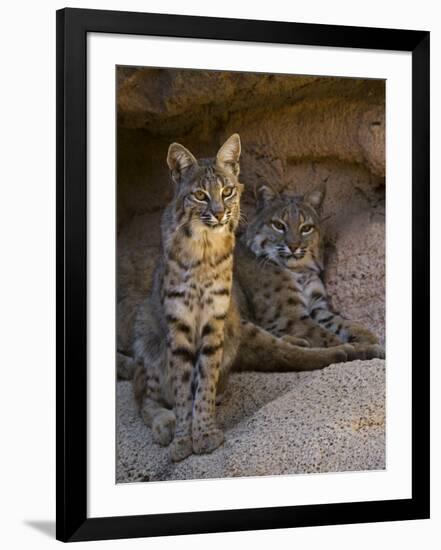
[
  {"x": 207, "y": 191},
  {"x": 286, "y": 230}
]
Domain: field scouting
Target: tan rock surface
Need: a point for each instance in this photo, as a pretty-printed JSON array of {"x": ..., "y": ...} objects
[{"x": 280, "y": 423}]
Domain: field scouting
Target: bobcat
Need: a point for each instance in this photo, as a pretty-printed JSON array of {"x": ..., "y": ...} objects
[
  {"x": 188, "y": 332},
  {"x": 279, "y": 262}
]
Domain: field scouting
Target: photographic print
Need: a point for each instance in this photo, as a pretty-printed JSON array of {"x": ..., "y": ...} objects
[
  {"x": 250, "y": 274},
  {"x": 221, "y": 274}
]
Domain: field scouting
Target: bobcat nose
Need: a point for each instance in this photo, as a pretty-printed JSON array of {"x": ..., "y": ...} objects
[{"x": 219, "y": 215}]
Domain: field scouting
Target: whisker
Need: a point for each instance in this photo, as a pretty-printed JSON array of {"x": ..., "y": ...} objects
[{"x": 263, "y": 261}]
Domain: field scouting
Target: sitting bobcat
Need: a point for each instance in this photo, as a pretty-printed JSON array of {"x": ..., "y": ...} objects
[
  {"x": 279, "y": 263},
  {"x": 187, "y": 332}
]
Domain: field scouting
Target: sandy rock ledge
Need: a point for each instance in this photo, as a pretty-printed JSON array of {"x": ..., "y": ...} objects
[{"x": 331, "y": 420}]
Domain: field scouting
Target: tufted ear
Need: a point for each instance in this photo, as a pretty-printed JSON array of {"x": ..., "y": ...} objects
[
  {"x": 179, "y": 160},
  {"x": 316, "y": 196},
  {"x": 228, "y": 155},
  {"x": 265, "y": 195}
]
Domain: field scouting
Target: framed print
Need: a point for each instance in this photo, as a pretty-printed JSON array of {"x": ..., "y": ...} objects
[{"x": 242, "y": 275}]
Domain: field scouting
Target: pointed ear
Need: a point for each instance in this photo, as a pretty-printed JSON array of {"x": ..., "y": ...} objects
[
  {"x": 228, "y": 155},
  {"x": 179, "y": 160},
  {"x": 316, "y": 196},
  {"x": 265, "y": 195}
]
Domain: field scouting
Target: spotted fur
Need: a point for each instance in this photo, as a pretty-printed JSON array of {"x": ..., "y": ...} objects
[
  {"x": 188, "y": 332},
  {"x": 179, "y": 333},
  {"x": 279, "y": 264}
]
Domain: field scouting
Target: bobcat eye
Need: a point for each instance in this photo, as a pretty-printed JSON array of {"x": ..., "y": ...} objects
[
  {"x": 278, "y": 226},
  {"x": 227, "y": 191},
  {"x": 306, "y": 229},
  {"x": 200, "y": 195}
]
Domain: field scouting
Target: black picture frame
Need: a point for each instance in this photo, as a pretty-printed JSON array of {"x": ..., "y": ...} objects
[{"x": 71, "y": 427}]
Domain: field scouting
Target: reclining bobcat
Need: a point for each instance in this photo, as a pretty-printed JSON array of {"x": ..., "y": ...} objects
[
  {"x": 188, "y": 332},
  {"x": 279, "y": 262}
]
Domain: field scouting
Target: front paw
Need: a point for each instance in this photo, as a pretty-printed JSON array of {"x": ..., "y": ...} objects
[
  {"x": 351, "y": 352},
  {"x": 340, "y": 354},
  {"x": 375, "y": 352},
  {"x": 207, "y": 442},
  {"x": 367, "y": 351},
  {"x": 163, "y": 427},
  {"x": 361, "y": 335},
  {"x": 180, "y": 448}
]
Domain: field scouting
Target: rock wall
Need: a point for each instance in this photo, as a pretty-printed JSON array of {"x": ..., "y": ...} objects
[{"x": 296, "y": 131}]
